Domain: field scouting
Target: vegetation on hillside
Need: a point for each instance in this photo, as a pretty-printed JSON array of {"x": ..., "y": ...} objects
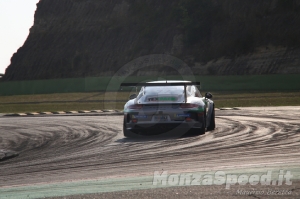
[{"x": 212, "y": 29}]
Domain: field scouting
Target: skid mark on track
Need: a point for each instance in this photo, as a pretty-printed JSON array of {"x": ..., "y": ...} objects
[{"x": 55, "y": 149}]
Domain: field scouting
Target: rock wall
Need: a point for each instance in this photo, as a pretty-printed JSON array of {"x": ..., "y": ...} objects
[{"x": 77, "y": 38}]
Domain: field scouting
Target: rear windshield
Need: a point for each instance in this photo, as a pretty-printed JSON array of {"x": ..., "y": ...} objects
[
  {"x": 159, "y": 90},
  {"x": 166, "y": 90}
]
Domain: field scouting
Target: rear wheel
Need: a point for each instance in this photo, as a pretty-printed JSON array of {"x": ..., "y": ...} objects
[
  {"x": 126, "y": 132},
  {"x": 200, "y": 131},
  {"x": 212, "y": 124}
]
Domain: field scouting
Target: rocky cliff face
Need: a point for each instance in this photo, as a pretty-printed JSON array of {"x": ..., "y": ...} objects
[{"x": 76, "y": 38}]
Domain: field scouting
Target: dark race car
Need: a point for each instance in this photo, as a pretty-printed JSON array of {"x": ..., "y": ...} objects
[{"x": 172, "y": 106}]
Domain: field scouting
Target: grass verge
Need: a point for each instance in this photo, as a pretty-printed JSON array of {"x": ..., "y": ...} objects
[{"x": 116, "y": 100}]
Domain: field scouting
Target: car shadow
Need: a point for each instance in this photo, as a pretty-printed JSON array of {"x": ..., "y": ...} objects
[{"x": 151, "y": 138}]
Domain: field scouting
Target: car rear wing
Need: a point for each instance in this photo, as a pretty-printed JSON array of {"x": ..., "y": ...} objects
[{"x": 163, "y": 84}]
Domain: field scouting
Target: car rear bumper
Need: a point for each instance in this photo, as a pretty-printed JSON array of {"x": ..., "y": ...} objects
[{"x": 158, "y": 128}]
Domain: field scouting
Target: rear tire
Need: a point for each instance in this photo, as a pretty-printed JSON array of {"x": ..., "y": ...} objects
[
  {"x": 212, "y": 124},
  {"x": 126, "y": 132},
  {"x": 201, "y": 131}
]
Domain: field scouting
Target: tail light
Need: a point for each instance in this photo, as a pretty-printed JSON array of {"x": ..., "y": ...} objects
[
  {"x": 188, "y": 119},
  {"x": 134, "y": 120},
  {"x": 187, "y": 105},
  {"x": 135, "y": 106}
]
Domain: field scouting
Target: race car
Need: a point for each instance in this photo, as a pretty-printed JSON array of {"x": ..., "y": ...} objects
[{"x": 167, "y": 107}]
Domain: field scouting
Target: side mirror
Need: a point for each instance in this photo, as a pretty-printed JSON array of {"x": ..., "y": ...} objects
[
  {"x": 208, "y": 95},
  {"x": 133, "y": 96}
]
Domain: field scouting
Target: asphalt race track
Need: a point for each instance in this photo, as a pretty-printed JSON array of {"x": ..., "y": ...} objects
[{"x": 84, "y": 155}]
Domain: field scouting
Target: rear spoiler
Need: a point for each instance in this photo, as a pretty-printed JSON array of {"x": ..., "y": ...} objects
[
  {"x": 164, "y": 84},
  {"x": 161, "y": 84}
]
